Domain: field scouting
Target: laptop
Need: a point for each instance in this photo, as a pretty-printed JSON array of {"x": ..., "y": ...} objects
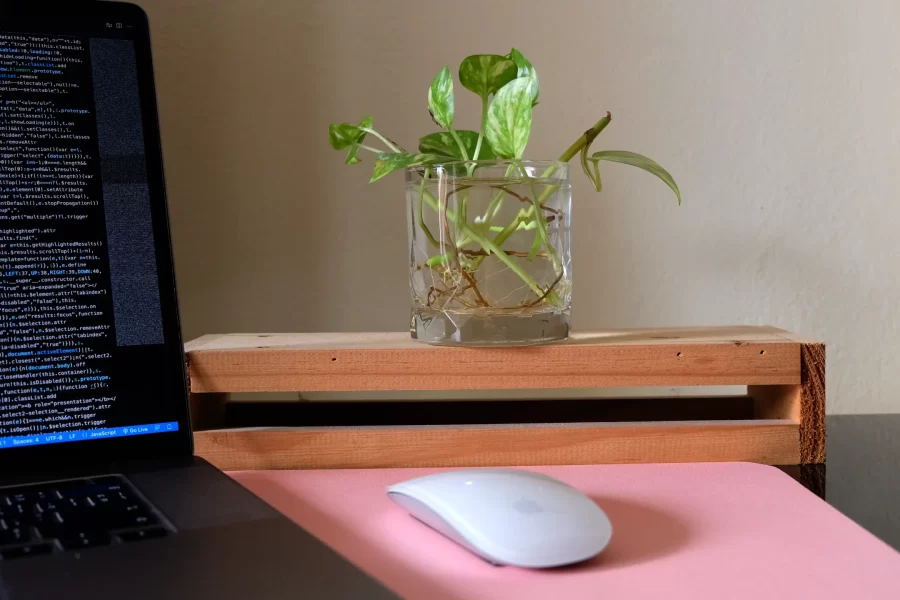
[{"x": 100, "y": 494}]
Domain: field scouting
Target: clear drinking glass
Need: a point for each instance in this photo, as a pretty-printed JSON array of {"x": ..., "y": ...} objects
[{"x": 490, "y": 252}]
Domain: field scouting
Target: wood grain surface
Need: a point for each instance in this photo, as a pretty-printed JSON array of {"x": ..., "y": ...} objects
[
  {"x": 391, "y": 361},
  {"x": 769, "y": 442},
  {"x": 812, "y": 403}
]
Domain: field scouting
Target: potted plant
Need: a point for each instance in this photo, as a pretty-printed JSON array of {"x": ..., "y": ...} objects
[{"x": 489, "y": 232}]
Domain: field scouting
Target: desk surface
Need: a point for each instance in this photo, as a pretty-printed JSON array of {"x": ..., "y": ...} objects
[
  {"x": 862, "y": 473},
  {"x": 701, "y": 530}
]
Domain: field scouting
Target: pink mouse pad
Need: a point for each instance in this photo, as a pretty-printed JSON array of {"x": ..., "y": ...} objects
[{"x": 715, "y": 530}]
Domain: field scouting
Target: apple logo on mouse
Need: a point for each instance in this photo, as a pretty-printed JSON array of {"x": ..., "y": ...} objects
[{"x": 527, "y": 506}]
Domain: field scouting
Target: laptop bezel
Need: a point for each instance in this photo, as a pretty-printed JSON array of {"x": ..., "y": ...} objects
[{"x": 179, "y": 443}]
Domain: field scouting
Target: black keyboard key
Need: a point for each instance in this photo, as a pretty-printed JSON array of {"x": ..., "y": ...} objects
[
  {"x": 14, "y": 535},
  {"x": 143, "y": 534},
  {"x": 25, "y": 551},
  {"x": 78, "y": 514},
  {"x": 128, "y": 519},
  {"x": 85, "y": 539},
  {"x": 145, "y": 519}
]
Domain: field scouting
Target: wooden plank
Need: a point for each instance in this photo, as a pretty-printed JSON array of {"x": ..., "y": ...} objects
[
  {"x": 401, "y": 340},
  {"x": 370, "y": 362},
  {"x": 768, "y": 442},
  {"x": 812, "y": 403}
]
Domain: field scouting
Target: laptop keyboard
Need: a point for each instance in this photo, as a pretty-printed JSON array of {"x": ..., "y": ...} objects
[{"x": 74, "y": 515}]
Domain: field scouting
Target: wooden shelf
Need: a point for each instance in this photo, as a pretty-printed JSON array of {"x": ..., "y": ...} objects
[
  {"x": 785, "y": 375},
  {"x": 392, "y": 361}
]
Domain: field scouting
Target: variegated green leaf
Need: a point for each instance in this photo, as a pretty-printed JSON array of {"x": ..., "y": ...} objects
[
  {"x": 485, "y": 74},
  {"x": 388, "y": 162},
  {"x": 342, "y": 135},
  {"x": 525, "y": 70},
  {"x": 354, "y": 148},
  {"x": 440, "y": 99},
  {"x": 347, "y": 135},
  {"x": 508, "y": 123},
  {"x": 641, "y": 162},
  {"x": 443, "y": 144}
]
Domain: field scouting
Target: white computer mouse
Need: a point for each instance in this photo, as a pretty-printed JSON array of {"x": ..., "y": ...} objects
[{"x": 508, "y": 517}]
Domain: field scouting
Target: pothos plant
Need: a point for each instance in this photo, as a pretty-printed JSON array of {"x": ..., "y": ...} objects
[{"x": 509, "y": 88}]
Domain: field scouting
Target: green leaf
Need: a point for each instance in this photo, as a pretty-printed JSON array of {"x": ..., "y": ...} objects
[
  {"x": 641, "y": 162},
  {"x": 485, "y": 74},
  {"x": 524, "y": 69},
  {"x": 342, "y": 135},
  {"x": 508, "y": 122},
  {"x": 442, "y": 143},
  {"x": 522, "y": 64},
  {"x": 440, "y": 99},
  {"x": 388, "y": 162},
  {"x": 354, "y": 148},
  {"x": 345, "y": 135}
]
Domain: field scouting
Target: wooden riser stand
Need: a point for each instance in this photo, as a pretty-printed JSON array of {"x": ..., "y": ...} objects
[{"x": 784, "y": 375}]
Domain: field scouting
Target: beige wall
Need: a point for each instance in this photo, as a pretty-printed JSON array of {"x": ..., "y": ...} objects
[{"x": 780, "y": 119}]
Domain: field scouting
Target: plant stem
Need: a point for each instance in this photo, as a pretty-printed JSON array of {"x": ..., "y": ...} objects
[
  {"x": 549, "y": 290},
  {"x": 489, "y": 246},
  {"x": 386, "y": 141},
  {"x": 443, "y": 259},
  {"x": 586, "y": 138},
  {"x": 542, "y": 233},
  {"x": 463, "y": 202},
  {"x": 535, "y": 247},
  {"x": 462, "y": 147},
  {"x": 422, "y": 224},
  {"x": 511, "y": 228},
  {"x": 484, "y": 111},
  {"x": 371, "y": 149}
]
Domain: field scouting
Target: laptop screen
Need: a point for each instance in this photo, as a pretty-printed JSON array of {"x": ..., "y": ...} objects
[{"x": 83, "y": 277}]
